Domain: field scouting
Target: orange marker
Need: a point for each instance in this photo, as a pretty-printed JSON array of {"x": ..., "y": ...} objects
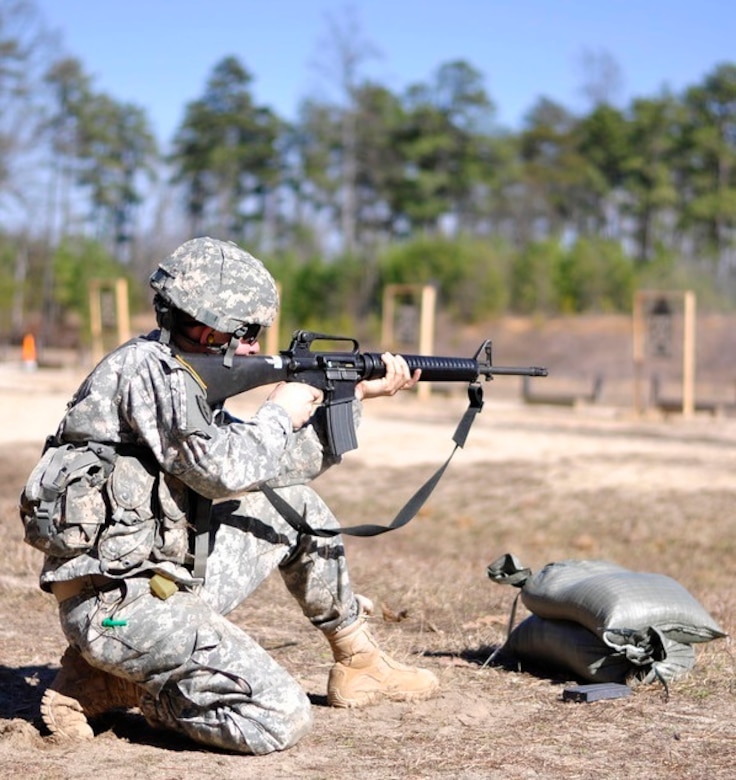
[{"x": 28, "y": 351}]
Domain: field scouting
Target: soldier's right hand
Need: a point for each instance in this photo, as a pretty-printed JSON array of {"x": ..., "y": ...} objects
[{"x": 299, "y": 400}]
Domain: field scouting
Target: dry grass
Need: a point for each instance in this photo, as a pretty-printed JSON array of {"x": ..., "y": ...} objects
[
  {"x": 487, "y": 722},
  {"x": 544, "y": 484}
]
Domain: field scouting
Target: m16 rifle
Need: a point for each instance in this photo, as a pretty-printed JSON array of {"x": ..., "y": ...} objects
[{"x": 336, "y": 372}]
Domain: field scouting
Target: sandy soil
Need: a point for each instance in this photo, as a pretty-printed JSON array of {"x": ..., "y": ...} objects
[{"x": 544, "y": 482}]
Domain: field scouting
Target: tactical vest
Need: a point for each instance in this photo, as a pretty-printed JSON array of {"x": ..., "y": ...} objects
[{"x": 110, "y": 497}]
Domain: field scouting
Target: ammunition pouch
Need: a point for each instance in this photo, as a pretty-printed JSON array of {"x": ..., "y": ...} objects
[{"x": 62, "y": 506}]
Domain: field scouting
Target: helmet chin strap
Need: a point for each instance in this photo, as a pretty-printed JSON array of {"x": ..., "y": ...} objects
[
  {"x": 164, "y": 319},
  {"x": 232, "y": 346}
]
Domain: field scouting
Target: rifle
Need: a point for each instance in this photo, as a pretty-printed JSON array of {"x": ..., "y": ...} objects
[{"x": 336, "y": 373}]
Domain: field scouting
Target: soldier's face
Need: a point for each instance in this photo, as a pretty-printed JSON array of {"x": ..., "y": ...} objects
[
  {"x": 248, "y": 348},
  {"x": 208, "y": 339}
]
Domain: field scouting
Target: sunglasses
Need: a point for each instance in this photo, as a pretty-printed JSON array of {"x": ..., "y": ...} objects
[{"x": 252, "y": 332}]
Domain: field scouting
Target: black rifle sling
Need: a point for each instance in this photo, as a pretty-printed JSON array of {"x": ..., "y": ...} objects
[{"x": 412, "y": 506}]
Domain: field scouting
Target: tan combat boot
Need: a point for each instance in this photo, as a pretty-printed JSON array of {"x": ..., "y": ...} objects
[
  {"x": 79, "y": 691},
  {"x": 363, "y": 674}
]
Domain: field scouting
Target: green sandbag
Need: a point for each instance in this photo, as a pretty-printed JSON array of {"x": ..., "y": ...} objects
[
  {"x": 560, "y": 646},
  {"x": 613, "y": 602},
  {"x": 601, "y": 621},
  {"x": 563, "y": 646}
]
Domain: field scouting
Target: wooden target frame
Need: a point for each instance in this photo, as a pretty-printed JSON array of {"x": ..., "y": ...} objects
[
  {"x": 425, "y": 297},
  {"x": 684, "y": 302}
]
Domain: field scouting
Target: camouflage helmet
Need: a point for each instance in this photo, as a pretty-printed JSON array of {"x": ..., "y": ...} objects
[{"x": 218, "y": 284}]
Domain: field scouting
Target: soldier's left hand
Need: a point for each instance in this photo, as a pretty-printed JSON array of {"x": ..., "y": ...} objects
[{"x": 398, "y": 377}]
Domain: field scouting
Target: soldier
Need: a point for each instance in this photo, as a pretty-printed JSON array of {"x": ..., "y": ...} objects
[{"x": 137, "y": 460}]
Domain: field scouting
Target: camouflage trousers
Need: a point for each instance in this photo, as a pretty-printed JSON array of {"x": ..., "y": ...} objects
[{"x": 202, "y": 675}]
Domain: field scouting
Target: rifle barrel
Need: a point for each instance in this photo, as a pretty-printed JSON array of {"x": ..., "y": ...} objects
[{"x": 515, "y": 371}]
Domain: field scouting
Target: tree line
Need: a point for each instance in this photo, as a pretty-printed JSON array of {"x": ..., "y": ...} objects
[{"x": 569, "y": 213}]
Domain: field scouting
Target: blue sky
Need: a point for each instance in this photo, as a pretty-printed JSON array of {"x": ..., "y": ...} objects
[{"x": 158, "y": 54}]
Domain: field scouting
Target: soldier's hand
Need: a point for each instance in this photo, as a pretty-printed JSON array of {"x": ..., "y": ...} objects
[
  {"x": 299, "y": 400},
  {"x": 398, "y": 377}
]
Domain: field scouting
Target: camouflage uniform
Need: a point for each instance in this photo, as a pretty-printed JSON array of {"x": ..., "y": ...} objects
[
  {"x": 111, "y": 502},
  {"x": 201, "y": 674}
]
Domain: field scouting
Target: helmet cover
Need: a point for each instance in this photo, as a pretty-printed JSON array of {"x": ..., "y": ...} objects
[{"x": 218, "y": 284}]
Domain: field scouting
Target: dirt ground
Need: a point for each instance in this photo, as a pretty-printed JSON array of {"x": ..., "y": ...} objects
[{"x": 546, "y": 482}]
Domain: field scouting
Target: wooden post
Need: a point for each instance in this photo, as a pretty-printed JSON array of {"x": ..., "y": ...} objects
[
  {"x": 426, "y": 333},
  {"x": 688, "y": 355},
  {"x": 120, "y": 313},
  {"x": 426, "y": 324},
  {"x": 122, "y": 310}
]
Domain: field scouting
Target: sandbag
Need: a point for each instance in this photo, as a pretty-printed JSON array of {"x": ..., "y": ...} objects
[
  {"x": 602, "y": 622},
  {"x": 613, "y": 602},
  {"x": 563, "y": 646}
]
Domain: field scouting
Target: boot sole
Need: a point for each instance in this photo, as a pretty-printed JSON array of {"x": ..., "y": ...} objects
[{"x": 78, "y": 729}]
